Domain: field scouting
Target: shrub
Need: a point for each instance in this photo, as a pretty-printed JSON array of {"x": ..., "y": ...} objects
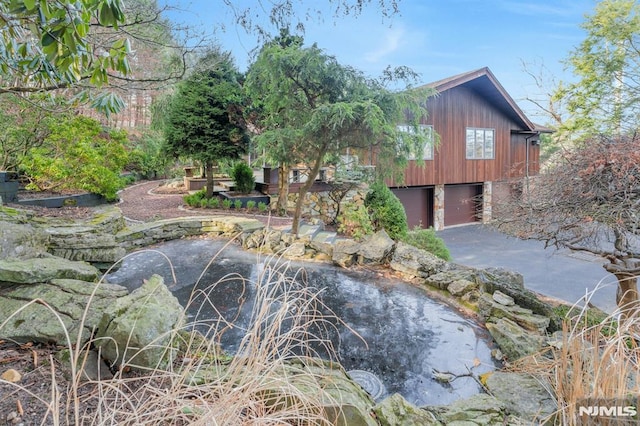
[
  {"x": 214, "y": 202},
  {"x": 243, "y": 177},
  {"x": 426, "y": 239},
  {"x": 262, "y": 207},
  {"x": 354, "y": 221},
  {"x": 386, "y": 211},
  {"x": 237, "y": 204},
  {"x": 204, "y": 203},
  {"x": 194, "y": 199},
  {"x": 226, "y": 203},
  {"x": 251, "y": 204}
]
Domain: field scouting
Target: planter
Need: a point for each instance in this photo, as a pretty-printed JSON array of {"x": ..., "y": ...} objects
[
  {"x": 8, "y": 187},
  {"x": 77, "y": 200},
  {"x": 257, "y": 197}
]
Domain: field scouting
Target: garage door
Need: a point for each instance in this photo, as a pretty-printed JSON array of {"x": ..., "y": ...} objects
[
  {"x": 461, "y": 203},
  {"x": 418, "y": 204}
]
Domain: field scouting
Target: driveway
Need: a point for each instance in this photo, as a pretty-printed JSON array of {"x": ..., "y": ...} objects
[{"x": 560, "y": 274}]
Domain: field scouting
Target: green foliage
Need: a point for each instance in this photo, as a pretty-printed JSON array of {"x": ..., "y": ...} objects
[
  {"x": 47, "y": 45},
  {"x": 204, "y": 203},
  {"x": 386, "y": 211},
  {"x": 194, "y": 199},
  {"x": 251, "y": 204},
  {"x": 226, "y": 203},
  {"x": 426, "y": 239},
  {"x": 243, "y": 176},
  {"x": 237, "y": 204},
  {"x": 214, "y": 203},
  {"x": 313, "y": 108},
  {"x": 262, "y": 207},
  {"x": 605, "y": 97},
  {"x": 354, "y": 221},
  {"x": 146, "y": 157},
  {"x": 78, "y": 155}
]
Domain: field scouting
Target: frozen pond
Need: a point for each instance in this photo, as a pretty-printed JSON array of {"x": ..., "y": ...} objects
[{"x": 408, "y": 335}]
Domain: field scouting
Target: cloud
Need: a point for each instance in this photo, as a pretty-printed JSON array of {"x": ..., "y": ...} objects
[{"x": 392, "y": 42}]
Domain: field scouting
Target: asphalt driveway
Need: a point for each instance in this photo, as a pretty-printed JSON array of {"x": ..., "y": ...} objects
[{"x": 560, "y": 274}]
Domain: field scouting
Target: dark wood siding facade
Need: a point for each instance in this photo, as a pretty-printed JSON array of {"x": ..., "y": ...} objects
[{"x": 450, "y": 114}]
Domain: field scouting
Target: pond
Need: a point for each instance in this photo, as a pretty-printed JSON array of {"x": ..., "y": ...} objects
[{"x": 396, "y": 338}]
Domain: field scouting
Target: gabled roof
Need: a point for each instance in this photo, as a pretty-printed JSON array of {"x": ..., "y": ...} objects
[{"x": 484, "y": 83}]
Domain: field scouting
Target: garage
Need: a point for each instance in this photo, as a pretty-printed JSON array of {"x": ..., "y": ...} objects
[
  {"x": 462, "y": 204},
  {"x": 418, "y": 204}
]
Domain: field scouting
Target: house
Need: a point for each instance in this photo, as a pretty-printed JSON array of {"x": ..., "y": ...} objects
[{"x": 485, "y": 140}]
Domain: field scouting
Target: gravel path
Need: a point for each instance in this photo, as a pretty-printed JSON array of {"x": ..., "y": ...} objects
[{"x": 142, "y": 203}]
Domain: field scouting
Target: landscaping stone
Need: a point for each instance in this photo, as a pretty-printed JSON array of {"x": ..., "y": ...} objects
[
  {"x": 460, "y": 288},
  {"x": 524, "y": 395},
  {"x": 395, "y": 410},
  {"x": 515, "y": 342},
  {"x": 345, "y": 252},
  {"x": 69, "y": 303},
  {"x": 415, "y": 262},
  {"x": 376, "y": 248},
  {"x": 20, "y": 241},
  {"x": 44, "y": 269},
  {"x": 502, "y": 299},
  {"x": 477, "y": 410},
  {"x": 136, "y": 329},
  {"x": 490, "y": 310}
]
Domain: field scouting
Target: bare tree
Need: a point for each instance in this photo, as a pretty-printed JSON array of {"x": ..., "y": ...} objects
[{"x": 588, "y": 201}]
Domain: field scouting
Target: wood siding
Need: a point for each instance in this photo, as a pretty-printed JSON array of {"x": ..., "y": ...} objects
[{"x": 450, "y": 114}]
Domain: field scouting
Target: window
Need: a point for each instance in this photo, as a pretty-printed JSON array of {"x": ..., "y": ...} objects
[
  {"x": 480, "y": 143},
  {"x": 424, "y": 129}
]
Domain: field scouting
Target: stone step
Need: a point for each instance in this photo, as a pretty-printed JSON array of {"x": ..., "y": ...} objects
[{"x": 325, "y": 237}]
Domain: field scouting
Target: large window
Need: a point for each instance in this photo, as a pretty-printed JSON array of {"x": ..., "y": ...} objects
[
  {"x": 480, "y": 143},
  {"x": 424, "y": 129}
]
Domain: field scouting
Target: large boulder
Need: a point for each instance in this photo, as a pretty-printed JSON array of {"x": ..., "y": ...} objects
[
  {"x": 376, "y": 248},
  {"x": 494, "y": 308},
  {"x": 20, "y": 241},
  {"x": 395, "y": 410},
  {"x": 345, "y": 252},
  {"x": 64, "y": 306},
  {"x": 415, "y": 262},
  {"x": 136, "y": 330},
  {"x": 514, "y": 341},
  {"x": 524, "y": 395},
  {"x": 44, "y": 269},
  {"x": 86, "y": 243},
  {"x": 478, "y": 410}
]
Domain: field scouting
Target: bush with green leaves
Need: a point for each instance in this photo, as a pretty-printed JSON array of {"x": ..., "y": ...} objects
[
  {"x": 354, "y": 221},
  {"x": 242, "y": 174},
  {"x": 147, "y": 158},
  {"x": 78, "y": 154},
  {"x": 226, "y": 203},
  {"x": 426, "y": 239},
  {"x": 237, "y": 204},
  {"x": 262, "y": 207},
  {"x": 386, "y": 211},
  {"x": 251, "y": 204},
  {"x": 214, "y": 203},
  {"x": 194, "y": 199}
]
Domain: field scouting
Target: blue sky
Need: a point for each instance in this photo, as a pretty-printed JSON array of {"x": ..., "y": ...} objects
[{"x": 436, "y": 38}]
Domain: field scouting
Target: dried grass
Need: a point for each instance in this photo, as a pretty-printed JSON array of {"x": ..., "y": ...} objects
[{"x": 268, "y": 382}]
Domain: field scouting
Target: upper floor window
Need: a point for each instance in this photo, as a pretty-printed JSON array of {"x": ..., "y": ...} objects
[
  {"x": 425, "y": 129},
  {"x": 480, "y": 143}
]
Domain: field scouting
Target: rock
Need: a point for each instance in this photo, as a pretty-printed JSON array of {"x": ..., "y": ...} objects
[
  {"x": 443, "y": 279},
  {"x": 344, "y": 252},
  {"x": 512, "y": 284},
  {"x": 44, "y": 269},
  {"x": 11, "y": 376},
  {"x": 479, "y": 409},
  {"x": 459, "y": 288},
  {"x": 415, "y": 262},
  {"x": 296, "y": 249},
  {"x": 514, "y": 341},
  {"x": 490, "y": 310},
  {"x": 21, "y": 241},
  {"x": 84, "y": 243},
  {"x": 395, "y": 410},
  {"x": 136, "y": 329},
  {"x": 502, "y": 299},
  {"x": 523, "y": 394},
  {"x": 89, "y": 364},
  {"x": 71, "y": 305},
  {"x": 376, "y": 248}
]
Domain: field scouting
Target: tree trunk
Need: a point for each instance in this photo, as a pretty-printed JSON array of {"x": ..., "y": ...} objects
[
  {"x": 302, "y": 192},
  {"x": 627, "y": 295},
  {"x": 283, "y": 190},
  {"x": 209, "y": 173}
]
